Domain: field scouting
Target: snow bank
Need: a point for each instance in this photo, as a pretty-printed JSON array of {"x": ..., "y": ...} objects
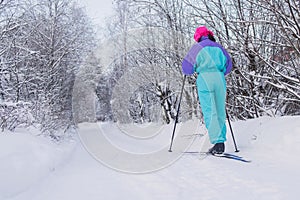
[
  {"x": 275, "y": 138},
  {"x": 26, "y": 159},
  {"x": 271, "y": 143}
]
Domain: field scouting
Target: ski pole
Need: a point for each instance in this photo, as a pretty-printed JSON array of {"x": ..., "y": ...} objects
[
  {"x": 176, "y": 118},
  {"x": 235, "y": 146}
]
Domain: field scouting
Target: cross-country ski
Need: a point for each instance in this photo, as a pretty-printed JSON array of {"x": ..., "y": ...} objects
[{"x": 223, "y": 155}]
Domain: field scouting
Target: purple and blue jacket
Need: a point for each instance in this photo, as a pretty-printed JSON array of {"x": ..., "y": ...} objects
[{"x": 206, "y": 56}]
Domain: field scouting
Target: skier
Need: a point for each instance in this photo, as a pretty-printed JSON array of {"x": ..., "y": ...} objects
[{"x": 211, "y": 62}]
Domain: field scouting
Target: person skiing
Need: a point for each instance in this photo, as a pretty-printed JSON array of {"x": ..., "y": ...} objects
[{"x": 211, "y": 62}]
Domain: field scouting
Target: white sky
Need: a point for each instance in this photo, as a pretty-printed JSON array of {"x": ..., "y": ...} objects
[{"x": 98, "y": 10}]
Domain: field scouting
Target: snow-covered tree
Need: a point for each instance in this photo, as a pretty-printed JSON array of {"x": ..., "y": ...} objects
[
  {"x": 263, "y": 39},
  {"x": 46, "y": 43},
  {"x": 148, "y": 35}
]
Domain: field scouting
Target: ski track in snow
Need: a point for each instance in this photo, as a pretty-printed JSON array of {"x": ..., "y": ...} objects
[{"x": 271, "y": 143}]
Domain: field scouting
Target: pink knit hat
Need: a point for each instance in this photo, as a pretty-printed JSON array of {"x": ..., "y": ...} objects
[{"x": 202, "y": 31}]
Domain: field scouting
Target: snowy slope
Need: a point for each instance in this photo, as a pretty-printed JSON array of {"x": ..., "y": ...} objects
[
  {"x": 27, "y": 160},
  {"x": 34, "y": 168}
]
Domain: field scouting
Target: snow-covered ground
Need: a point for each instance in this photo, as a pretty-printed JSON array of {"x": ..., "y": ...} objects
[{"x": 34, "y": 168}]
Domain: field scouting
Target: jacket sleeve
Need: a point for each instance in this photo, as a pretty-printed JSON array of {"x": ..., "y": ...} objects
[
  {"x": 190, "y": 60},
  {"x": 228, "y": 62},
  {"x": 187, "y": 67}
]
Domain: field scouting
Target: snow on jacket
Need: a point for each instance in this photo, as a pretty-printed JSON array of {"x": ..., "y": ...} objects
[{"x": 206, "y": 56}]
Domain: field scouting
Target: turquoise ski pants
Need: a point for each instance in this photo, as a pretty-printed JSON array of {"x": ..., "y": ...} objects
[{"x": 212, "y": 96}]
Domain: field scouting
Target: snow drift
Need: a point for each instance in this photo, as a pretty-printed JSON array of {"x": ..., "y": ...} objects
[{"x": 34, "y": 168}]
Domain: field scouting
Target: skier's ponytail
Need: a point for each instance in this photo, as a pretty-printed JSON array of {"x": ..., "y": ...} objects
[{"x": 211, "y": 37}]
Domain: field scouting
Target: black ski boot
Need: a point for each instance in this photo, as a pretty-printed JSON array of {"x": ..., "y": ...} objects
[{"x": 218, "y": 148}]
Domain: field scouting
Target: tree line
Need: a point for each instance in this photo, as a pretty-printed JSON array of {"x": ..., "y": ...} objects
[
  {"x": 42, "y": 45},
  {"x": 262, "y": 37}
]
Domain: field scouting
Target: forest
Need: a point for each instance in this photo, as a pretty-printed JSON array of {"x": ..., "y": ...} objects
[
  {"x": 152, "y": 37},
  {"x": 52, "y": 62},
  {"x": 42, "y": 45}
]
